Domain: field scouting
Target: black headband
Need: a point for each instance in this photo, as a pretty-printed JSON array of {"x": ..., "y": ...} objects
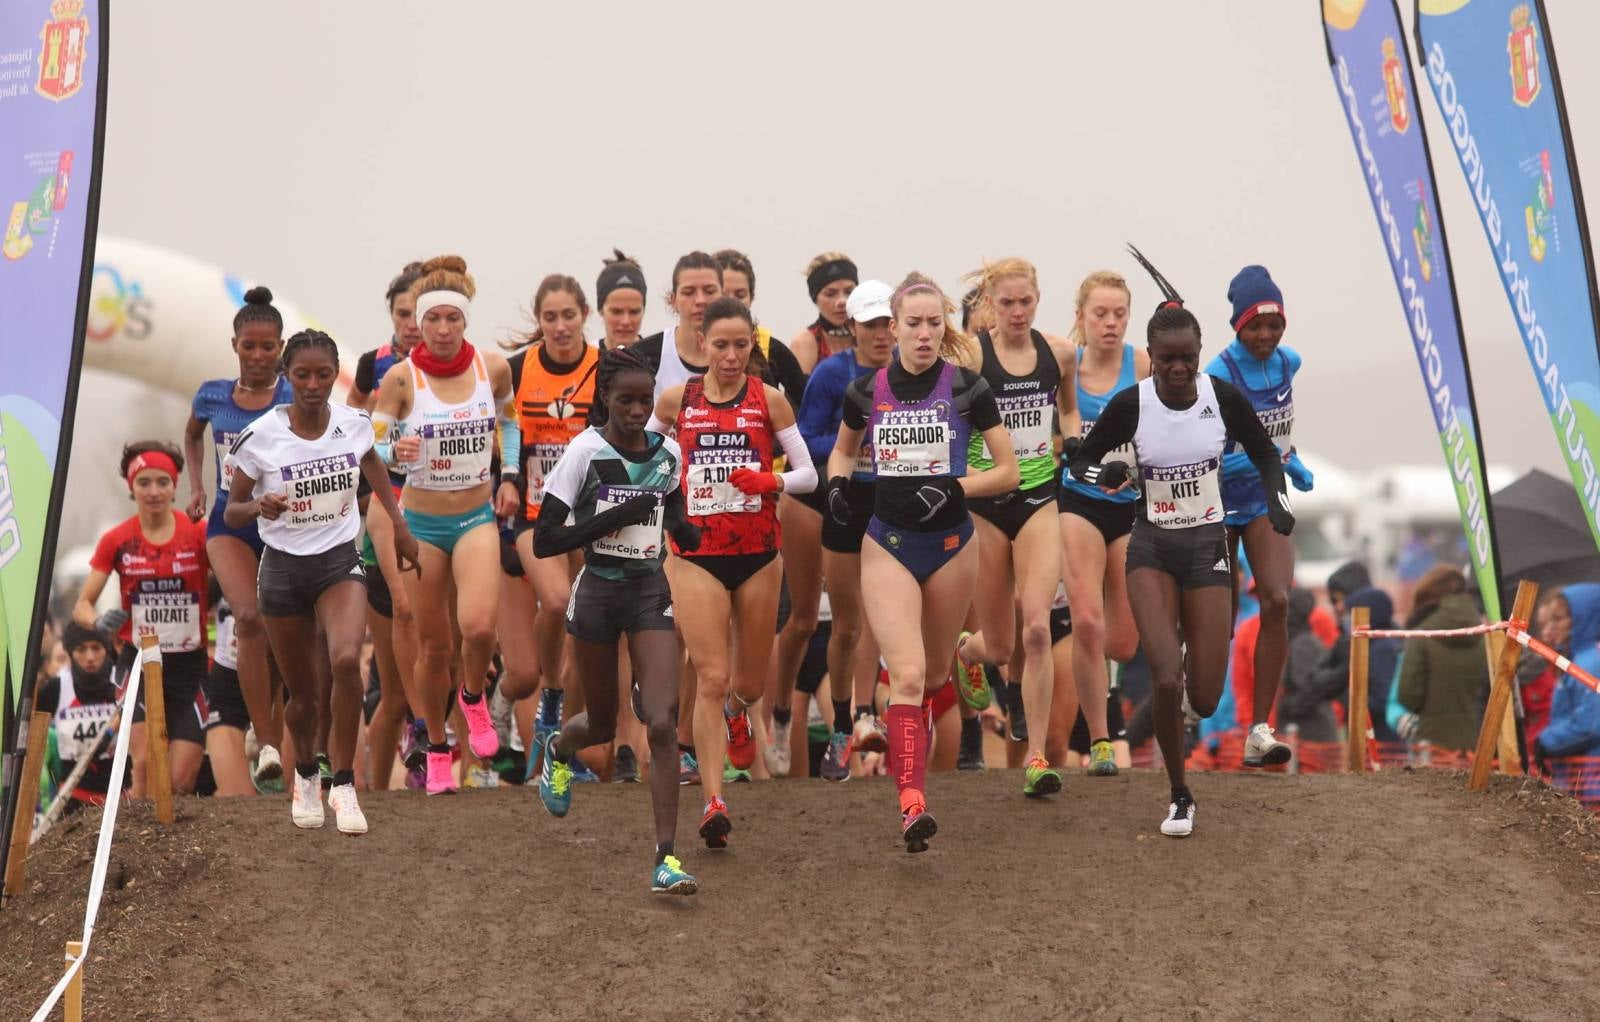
[
  {"x": 618, "y": 275},
  {"x": 828, "y": 272}
]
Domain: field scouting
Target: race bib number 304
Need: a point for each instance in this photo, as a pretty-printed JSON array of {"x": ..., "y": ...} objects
[
  {"x": 1180, "y": 496},
  {"x": 319, "y": 492},
  {"x": 635, "y": 542}
]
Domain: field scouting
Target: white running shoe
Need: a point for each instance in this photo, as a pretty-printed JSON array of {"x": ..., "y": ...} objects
[
  {"x": 1180, "y": 817},
  {"x": 269, "y": 767},
  {"x": 346, "y": 813},
  {"x": 1261, "y": 749},
  {"x": 869, "y": 735},
  {"x": 1190, "y": 717},
  {"x": 500, "y": 713},
  {"x": 305, "y": 806},
  {"x": 776, "y": 751}
]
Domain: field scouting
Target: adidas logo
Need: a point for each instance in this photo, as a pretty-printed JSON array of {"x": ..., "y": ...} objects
[
  {"x": 1207, "y": 413},
  {"x": 1221, "y": 565},
  {"x": 668, "y": 611},
  {"x": 338, "y": 433},
  {"x": 357, "y": 570}
]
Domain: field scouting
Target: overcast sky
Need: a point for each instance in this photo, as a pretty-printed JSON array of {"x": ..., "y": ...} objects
[{"x": 317, "y": 147}]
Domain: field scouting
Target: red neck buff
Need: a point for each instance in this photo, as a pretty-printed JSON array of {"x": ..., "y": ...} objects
[
  {"x": 149, "y": 460},
  {"x": 424, "y": 358}
]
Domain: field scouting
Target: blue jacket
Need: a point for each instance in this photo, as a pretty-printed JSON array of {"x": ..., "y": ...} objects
[
  {"x": 822, "y": 405},
  {"x": 1574, "y": 728}
]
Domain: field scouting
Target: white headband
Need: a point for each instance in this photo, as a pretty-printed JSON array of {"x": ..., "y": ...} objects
[{"x": 431, "y": 299}]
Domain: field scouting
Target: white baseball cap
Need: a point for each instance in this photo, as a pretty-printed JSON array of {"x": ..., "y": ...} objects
[{"x": 869, "y": 301}]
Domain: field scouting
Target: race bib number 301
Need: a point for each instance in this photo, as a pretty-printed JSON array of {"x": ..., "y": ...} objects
[
  {"x": 635, "y": 542},
  {"x": 319, "y": 492}
]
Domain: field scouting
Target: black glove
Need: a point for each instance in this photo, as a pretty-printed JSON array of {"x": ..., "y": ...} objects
[
  {"x": 636, "y": 510},
  {"x": 838, "y": 503},
  {"x": 1109, "y": 474},
  {"x": 111, "y": 622},
  {"x": 932, "y": 498},
  {"x": 1279, "y": 513},
  {"x": 1069, "y": 447},
  {"x": 687, "y": 535}
]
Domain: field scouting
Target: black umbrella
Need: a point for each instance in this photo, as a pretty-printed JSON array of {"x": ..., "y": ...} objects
[{"x": 1543, "y": 534}]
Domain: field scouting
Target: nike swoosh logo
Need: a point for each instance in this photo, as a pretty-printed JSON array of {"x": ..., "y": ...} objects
[{"x": 1283, "y": 395}]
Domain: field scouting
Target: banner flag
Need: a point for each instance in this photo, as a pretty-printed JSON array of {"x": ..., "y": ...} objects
[
  {"x": 1372, "y": 75},
  {"x": 1492, "y": 69},
  {"x": 52, "y": 123}
]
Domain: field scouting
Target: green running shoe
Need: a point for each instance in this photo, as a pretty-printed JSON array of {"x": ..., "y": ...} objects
[
  {"x": 555, "y": 780},
  {"x": 1102, "y": 759},
  {"x": 669, "y": 878},
  {"x": 972, "y": 683},
  {"x": 1038, "y": 779}
]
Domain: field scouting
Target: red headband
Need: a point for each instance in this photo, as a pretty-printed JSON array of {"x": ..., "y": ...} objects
[{"x": 149, "y": 460}]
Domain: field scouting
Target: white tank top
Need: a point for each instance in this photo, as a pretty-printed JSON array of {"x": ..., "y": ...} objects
[
  {"x": 1180, "y": 457},
  {"x": 672, "y": 372},
  {"x": 78, "y": 726},
  {"x": 457, "y": 439}
]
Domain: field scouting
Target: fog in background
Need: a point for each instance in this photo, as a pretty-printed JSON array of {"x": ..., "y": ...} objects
[{"x": 317, "y": 147}]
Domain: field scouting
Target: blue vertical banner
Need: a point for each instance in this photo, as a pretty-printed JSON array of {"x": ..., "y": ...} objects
[
  {"x": 1492, "y": 69},
  {"x": 1372, "y": 77},
  {"x": 52, "y": 123}
]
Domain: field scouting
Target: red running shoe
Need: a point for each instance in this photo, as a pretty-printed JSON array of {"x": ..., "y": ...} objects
[
  {"x": 917, "y": 825},
  {"x": 715, "y": 825},
  {"x": 741, "y": 740}
]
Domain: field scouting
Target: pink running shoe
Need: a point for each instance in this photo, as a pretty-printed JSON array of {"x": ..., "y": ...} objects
[
  {"x": 480, "y": 726},
  {"x": 441, "y": 778}
]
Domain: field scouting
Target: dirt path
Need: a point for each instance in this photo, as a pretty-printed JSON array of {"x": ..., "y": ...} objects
[{"x": 1324, "y": 897}]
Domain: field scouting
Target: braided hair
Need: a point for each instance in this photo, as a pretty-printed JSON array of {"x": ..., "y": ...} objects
[
  {"x": 1169, "y": 294},
  {"x": 617, "y": 361},
  {"x": 308, "y": 339},
  {"x": 1170, "y": 317},
  {"x": 257, "y": 308}
]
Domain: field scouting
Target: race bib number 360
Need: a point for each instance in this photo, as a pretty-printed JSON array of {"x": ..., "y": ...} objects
[
  {"x": 456, "y": 455},
  {"x": 635, "y": 542},
  {"x": 319, "y": 492}
]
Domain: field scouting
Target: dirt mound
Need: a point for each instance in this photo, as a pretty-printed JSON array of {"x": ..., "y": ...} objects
[{"x": 1398, "y": 896}]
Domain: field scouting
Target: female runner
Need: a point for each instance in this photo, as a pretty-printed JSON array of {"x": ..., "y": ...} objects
[
  {"x": 1179, "y": 568},
  {"x": 781, "y": 368},
  {"x": 620, "y": 485},
  {"x": 296, "y": 469},
  {"x": 830, "y": 277},
  {"x": 730, "y": 426},
  {"x": 1019, "y": 545},
  {"x": 159, "y": 557},
  {"x": 226, "y": 407},
  {"x": 1259, "y": 365},
  {"x": 1095, "y": 524},
  {"x": 438, "y": 416},
  {"x": 620, "y": 293},
  {"x": 920, "y": 567}
]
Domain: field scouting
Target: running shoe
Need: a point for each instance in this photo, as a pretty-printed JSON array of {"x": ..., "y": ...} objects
[
  {"x": 1261, "y": 749},
  {"x": 626, "y": 768},
  {"x": 1016, "y": 714},
  {"x": 869, "y": 735},
  {"x": 555, "y": 780},
  {"x": 269, "y": 766},
  {"x": 972, "y": 683},
  {"x": 715, "y": 825},
  {"x": 917, "y": 825},
  {"x": 1191, "y": 717},
  {"x": 636, "y": 700},
  {"x": 480, "y": 725},
  {"x": 1102, "y": 759},
  {"x": 669, "y": 878},
  {"x": 482, "y": 777},
  {"x": 500, "y": 712},
  {"x": 732, "y": 774},
  {"x": 441, "y": 774},
  {"x": 741, "y": 739},
  {"x": 688, "y": 768},
  {"x": 776, "y": 752},
  {"x": 417, "y": 780},
  {"x": 1038, "y": 779},
  {"x": 305, "y": 806},
  {"x": 836, "y": 759},
  {"x": 325, "y": 770},
  {"x": 346, "y": 812},
  {"x": 414, "y": 745},
  {"x": 582, "y": 773},
  {"x": 1180, "y": 817},
  {"x": 969, "y": 755}
]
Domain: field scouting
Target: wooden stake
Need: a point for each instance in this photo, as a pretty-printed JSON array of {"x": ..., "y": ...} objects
[
  {"x": 1355, "y": 743},
  {"x": 1505, "y": 670},
  {"x": 27, "y": 798},
  {"x": 159, "y": 772},
  {"x": 72, "y": 1003},
  {"x": 1506, "y": 740}
]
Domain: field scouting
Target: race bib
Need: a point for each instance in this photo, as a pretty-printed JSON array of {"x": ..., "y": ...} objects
[
  {"x": 78, "y": 728},
  {"x": 634, "y": 542},
  {"x": 864, "y": 463},
  {"x": 455, "y": 455},
  {"x": 320, "y": 492},
  {"x": 541, "y": 459},
  {"x": 172, "y": 617},
  {"x": 709, "y": 492},
  {"x": 1279, "y": 424},
  {"x": 911, "y": 444},
  {"x": 224, "y": 443},
  {"x": 1180, "y": 496},
  {"x": 1028, "y": 418}
]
